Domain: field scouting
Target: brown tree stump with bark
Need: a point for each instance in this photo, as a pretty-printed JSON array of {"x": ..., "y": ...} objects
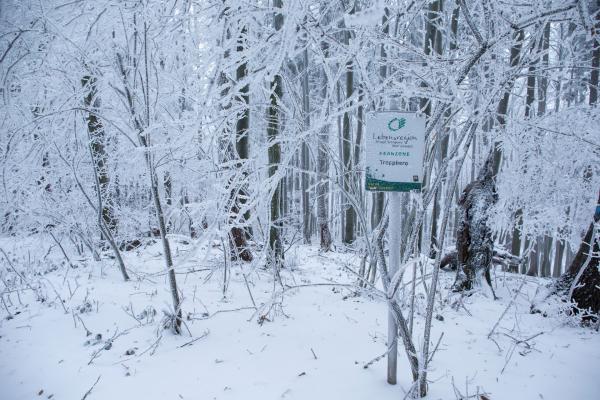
[{"x": 474, "y": 242}]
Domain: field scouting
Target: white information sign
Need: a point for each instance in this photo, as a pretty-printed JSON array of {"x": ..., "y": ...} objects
[{"x": 395, "y": 143}]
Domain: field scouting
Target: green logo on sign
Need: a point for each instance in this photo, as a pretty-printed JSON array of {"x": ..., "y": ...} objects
[{"x": 396, "y": 124}]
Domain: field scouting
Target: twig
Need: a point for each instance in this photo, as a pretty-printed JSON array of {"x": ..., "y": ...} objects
[
  {"x": 205, "y": 334},
  {"x": 469, "y": 20},
  {"x": 224, "y": 311},
  {"x": 153, "y": 345},
  {"x": 129, "y": 311},
  {"x": 5, "y": 306},
  {"x": 108, "y": 344},
  {"x": 510, "y": 303},
  {"x": 436, "y": 347},
  {"x": 17, "y": 272},
  {"x": 514, "y": 347},
  {"x": 288, "y": 287},
  {"x": 69, "y": 263},
  {"x": 87, "y": 331},
  {"x": 462, "y": 304},
  {"x": 249, "y": 291},
  {"x": 377, "y": 359},
  {"x": 508, "y": 358},
  {"x": 514, "y": 298},
  {"x": 61, "y": 301},
  {"x": 225, "y": 268},
  {"x": 90, "y": 389},
  {"x": 365, "y": 281},
  {"x": 525, "y": 341}
]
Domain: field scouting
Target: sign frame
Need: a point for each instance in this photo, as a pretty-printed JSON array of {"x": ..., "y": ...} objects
[{"x": 399, "y": 157}]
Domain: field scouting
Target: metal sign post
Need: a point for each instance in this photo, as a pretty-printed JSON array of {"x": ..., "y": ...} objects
[
  {"x": 393, "y": 265},
  {"x": 395, "y": 145}
]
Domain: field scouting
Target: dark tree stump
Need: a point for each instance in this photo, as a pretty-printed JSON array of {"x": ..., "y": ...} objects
[{"x": 474, "y": 243}]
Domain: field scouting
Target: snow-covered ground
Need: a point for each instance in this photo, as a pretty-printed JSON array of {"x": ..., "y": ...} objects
[{"x": 309, "y": 339}]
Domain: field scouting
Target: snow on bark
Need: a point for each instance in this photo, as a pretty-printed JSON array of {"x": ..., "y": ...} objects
[{"x": 474, "y": 242}]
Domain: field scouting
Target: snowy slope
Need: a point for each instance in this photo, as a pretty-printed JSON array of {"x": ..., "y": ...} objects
[{"x": 312, "y": 343}]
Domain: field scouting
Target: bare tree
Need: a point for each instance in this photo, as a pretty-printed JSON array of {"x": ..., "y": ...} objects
[
  {"x": 95, "y": 129},
  {"x": 141, "y": 121}
]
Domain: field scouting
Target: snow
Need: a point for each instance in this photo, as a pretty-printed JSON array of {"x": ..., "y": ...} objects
[{"x": 312, "y": 344}]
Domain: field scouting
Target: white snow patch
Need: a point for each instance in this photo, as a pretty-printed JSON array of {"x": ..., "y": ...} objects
[{"x": 312, "y": 345}]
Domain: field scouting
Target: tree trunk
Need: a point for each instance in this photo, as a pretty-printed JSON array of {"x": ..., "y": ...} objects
[
  {"x": 357, "y": 178},
  {"x": 474, "y": 244},
  {"x": 543, "y": 75},
  {"x": 595, "y": 72},
  {"x": 378, "y": 198},
  {"x": 582, "y": 279},
  {"x": 97, "y": 142},
  {"x": 274, "y": 153},
  {"x": 433, "y": 43},
  {"x": 559, "y": 252},
  {"x": 546, "y": 260},
  {"x": 544, "y": 245},
  {"x": 349, "y": 211},
  {"x": 515, "y": 55},
  {"x": 237, "y": 235},
  {"x": 323, "y": 167},
  {"x": 304, "y": 153},
  {"x": 98, "y": 156},
  {"x": 529, "y": 101},
  {"x": 516, "y": 234},
  {"x": 165, "y": 242},
  {"x": 534, "y": 259},
  {"x": 141, "y": 123}
]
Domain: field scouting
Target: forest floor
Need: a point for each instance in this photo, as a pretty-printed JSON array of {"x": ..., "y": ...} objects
[{"x": 309, "y": 339}]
